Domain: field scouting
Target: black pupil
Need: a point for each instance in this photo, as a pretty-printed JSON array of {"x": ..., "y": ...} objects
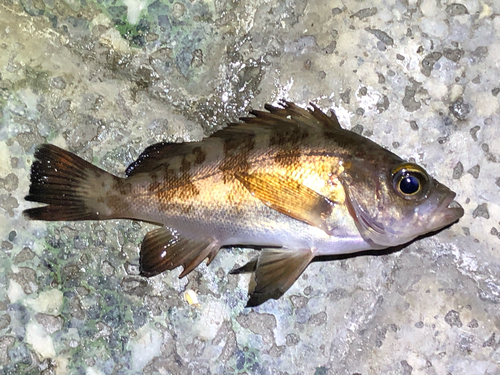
[{"x": 409, "y": 184}]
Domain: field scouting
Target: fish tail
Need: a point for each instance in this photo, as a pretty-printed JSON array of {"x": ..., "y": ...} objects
[{"x": 72, "y": 188}]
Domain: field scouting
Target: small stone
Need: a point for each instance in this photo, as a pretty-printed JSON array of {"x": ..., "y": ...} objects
[
  {"x": 133, "y": 285},
  {"x": 409, "y": 102},
  {"x": 103, "y": 330},
  {"x": 26, "y": 277},
  {"x": 63, "y": 108},
  {"x": 458, "y": 171},
  {"x": 381, "y": 35},
  {"x": 481, "y": 211},
  {"x": 318, "y": 319},
  {"x": 490, "y": 343},
  {"x": 428, "y": 63},
  {"x": 495, "y": 91},
  {"x": 197, "y": 59},
  {"x": 358, "y": 129},
  {"x": 346, "y": 96},
  {"x": 453, "y": 318},
  {"x": 465, "y": 343},
  {"x": 474, "y": 171},
  {"x": 456, "y": 9},
  {"x": 453, "y": 54},
  {"x": 132, "y": 269},
  {"x": 51, "y": 323},
  {"x": 178, "y": 10},
  {"x": 442, "y": 140},
  {"x": 460, "y": 109},
  {"x": 360, "y": 111},
  {"x": 299, "y": 302},
  {"x": 4, "y": 321},
  {"x": 407, "y": 369},
  {"x": 24, "y": 255},
  {"x": 400, "y": 57},
  {"x": 480, "y": 53},
  {"x": 383, "y": 104},
  {"x": 12, "y": 235},
  {"x": 330, "y": 48},
  {"x": 5, "y": 343},
  {"x": 292, "y": 339},
  {"x": 367, "y": 12},
  {"x": 108, "y": 269},
  {"x": 419, "y": 324},
  {"x": 58, "y": 83},
  {"x": 473, "y": 324},
  {"x": 9, "y": 183},
  {"x": 473, "y": 132},
  {"x": 336, "y": 11},
  {"x": 414, "y": 125}
]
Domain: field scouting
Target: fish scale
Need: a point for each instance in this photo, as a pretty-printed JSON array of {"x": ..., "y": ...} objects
[{"x": 289, "y": 181}]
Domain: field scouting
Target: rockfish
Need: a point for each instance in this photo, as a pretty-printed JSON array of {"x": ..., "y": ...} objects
[{"x": 289, "y": 181}]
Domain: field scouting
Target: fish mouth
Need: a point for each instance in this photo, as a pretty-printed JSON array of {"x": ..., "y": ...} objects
[{"x": 448, "y": 211}]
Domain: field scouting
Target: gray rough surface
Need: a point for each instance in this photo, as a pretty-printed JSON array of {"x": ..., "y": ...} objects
[{"x": 420, "y": 76}]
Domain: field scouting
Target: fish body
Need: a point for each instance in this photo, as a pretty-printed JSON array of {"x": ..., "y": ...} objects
[{"x": 289, "y": 181}]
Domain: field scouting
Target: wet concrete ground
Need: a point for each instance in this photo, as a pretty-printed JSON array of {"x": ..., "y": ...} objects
[{"x": 107, "y": 79}]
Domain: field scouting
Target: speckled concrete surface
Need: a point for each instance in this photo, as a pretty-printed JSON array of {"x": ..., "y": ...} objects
[{"x": 107, "y": 79}]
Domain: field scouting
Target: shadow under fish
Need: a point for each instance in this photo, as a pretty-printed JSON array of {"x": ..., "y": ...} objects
[{"x": 289, "y": 181}]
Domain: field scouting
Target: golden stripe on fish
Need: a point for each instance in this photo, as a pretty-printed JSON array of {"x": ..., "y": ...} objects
[{"x": 289, "y": 181}]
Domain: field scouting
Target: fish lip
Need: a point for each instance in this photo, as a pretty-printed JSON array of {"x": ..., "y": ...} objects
[{"x": 450, "y": 210}]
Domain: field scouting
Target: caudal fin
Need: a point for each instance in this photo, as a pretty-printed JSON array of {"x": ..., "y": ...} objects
[{"x": 72, "y": 188}]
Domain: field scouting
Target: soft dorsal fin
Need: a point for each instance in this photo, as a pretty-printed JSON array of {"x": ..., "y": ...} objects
[{"x": 159, "y": 154}]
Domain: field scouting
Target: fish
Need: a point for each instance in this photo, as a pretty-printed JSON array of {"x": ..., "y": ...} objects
[{"x": 288, "y": 181}]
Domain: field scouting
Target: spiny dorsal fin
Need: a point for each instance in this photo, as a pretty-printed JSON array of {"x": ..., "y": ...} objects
[
  {"x": 275, "y": 272},
  {"x": 314, "y": 117},
  {"x": 164, "y": 250}
]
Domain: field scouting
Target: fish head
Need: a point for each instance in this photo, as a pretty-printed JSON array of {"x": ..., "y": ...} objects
[{"x": 393, "y": 202}]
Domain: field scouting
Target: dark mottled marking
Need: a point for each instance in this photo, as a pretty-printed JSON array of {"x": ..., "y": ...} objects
[
  {"x": 288, "y": 142},
  {"x": 155, "y": 181},
  {"x": 236, "y": 154},
  {"x": 291, "y": 137},
  {"x": 185, "y": 165},
  {"x": 199, "y": 155},
  {"x": 288, "y": 157}
]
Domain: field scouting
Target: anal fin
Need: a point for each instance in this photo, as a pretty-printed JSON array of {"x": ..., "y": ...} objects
[
  {"x": 164, "y": 249},
  {"x": 275, "y": 271}
]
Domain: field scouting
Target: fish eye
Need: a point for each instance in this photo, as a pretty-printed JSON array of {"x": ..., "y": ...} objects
[
  {"x": 410, "y": 181},
  {"x": 409, "y": 184}
]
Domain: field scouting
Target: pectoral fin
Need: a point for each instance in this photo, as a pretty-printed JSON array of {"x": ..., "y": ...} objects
[
  {"x": 164, "y": 249},
  {"x": 275, "y": 272},
  {"x": 289, "y": 197}
]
